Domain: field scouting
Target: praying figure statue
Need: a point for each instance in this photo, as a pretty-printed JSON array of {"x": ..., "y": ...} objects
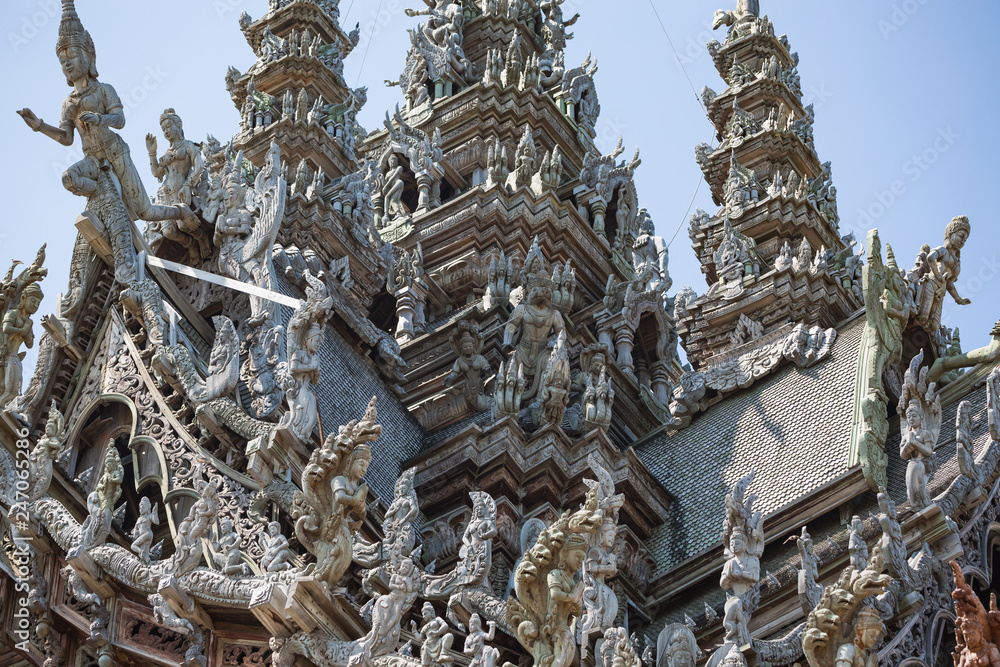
[
  {"x": 920, "y": 424},
  {"x": 95, "y": 111},
  {"x": 470, "y": 366},
  {"x": 179, "y": 171}
]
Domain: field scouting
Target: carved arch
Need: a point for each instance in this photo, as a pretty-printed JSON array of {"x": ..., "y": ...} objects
[
  {"x": 991, "y": 539},
  {"x": 940, "y": 641}
]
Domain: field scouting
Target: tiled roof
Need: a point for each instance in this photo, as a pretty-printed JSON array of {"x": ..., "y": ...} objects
[{"x": 793, "y": 429}]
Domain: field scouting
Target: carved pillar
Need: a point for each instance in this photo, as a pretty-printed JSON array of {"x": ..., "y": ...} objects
[
  {"x": 379, "y": 206},
  {"x": 598, "y": 207},
  {"x": 410, "y": 302},
  {"x": 660, "y": 382},
  {"x": 438, "y": 90},
  {"x": 449, "y": 88},
  {"x": 607, "y": 337},
  {"x": 424, "y": 191},
  {"x": 623, "y": 344}
]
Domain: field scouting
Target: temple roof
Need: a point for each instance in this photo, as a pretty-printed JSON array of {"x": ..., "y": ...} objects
[{"x": 792, "y": 429}]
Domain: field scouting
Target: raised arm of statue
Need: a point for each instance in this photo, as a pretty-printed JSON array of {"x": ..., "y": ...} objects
[{"x": 63, "y": 134}]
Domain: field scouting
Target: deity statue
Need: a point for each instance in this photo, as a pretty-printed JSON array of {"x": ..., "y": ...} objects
[
  {"x": 397, "y": 524},
  {"x": 600, "y": 602},
  {"x": 17, "y": 329},
  {"x": 389, "y": 609},
  {"x": 48, "y": 449},
  {"x": 446, "y": 18},
  {"x": 935, "y": 274},
  {"x": 277, "y": 553},
  {"x": 101, "y": 502},
  {"x": 247, "y": 226},
  {"x": 305, "y": 336},
  {"x": 553, "y": 26},
  {"x": 95, "y": 110},
  {"x": 650, "y": 256},
  {"x": 470, "y": 365},
  {"x": 976, "y": 642},
  {"x": 677, "y": 647},
  {"x": 528, "y": 330},
  {"x": 228, "y": 555},
  {"x": 555, "y": 385},
  {"x": 842, "y": 629},
  {"x": 392, "y": 189},
  {"x": 332, "y": 492},
  {"x": 920, "y": 424},
  {"x": 196, "y": 525},
  {"x": 857, "y": 545},
  {"x": 142, "y": 532},
  {"x": 482, "y": 655},
  {"x": 437, "y": 640},
  {"x": 179, "y": 171},
  {"x": 809, "y": 588},
  {"x": 549, "y": 597},
  {"x": 743, "y": 540}
]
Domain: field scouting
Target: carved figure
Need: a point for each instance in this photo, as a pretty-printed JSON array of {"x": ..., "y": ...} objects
[
  {"x": 446, "y": 18},
  {"x": 398, "y": 522},
  {"x": 389, "y": 609},
  {"x": 600, "y": 602},
  {"x": 743, "y": 540},
  {"x": 555, "y": 385},
  {"x": 920, "y": 424},
  {"x": 179, "y": 171},
  {"x": 17, "y": 329},
  {"x": 976, "y": 641},
  {"x": 470, "y": 365},
  {"x": 277, "y": 554},
  {"x": 548, "y": 595},
  {"x": 943, "y": 365},
  {"x": 935, "y": 275},
  {"x": 195, "y": 526},
  {"x": 529, "y": 327},
  {"x": 676, "y": 647},
  {"x": 482, "y": 655},
  {"x": 48, "y": 449},
  {"x": 437, "y": 640},
  {"x": 809, "y": 587},
  {"x": 142, "y": 532},
  {"x": 229, "y": 556},
  {"x": 857, "y": 545},
  {"x": 305, "y": 336},
  {"x": 332, "y": 492},
  {"x": 101, "y": 502},
  {"x": 553, "y": 26},
  {"x": 650, "y": 256},
  {"x": 247, "y": 227},
  {"x": 392, "y": 190},
  {"x": 842, "y": 630},
  {"x": 94, "y": 110}
]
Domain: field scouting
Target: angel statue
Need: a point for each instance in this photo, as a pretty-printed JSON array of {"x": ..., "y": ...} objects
[
  {"x": 142, "y": 532},
  {"x": 600, "y": 603},
  {"x": 179, "y": 171},
  {"x": 101, "y": 502},
  {"x": 482, "y": 654},
  {"x": 95, "y": 111},
  {"x": 548, "y": 595},
  {"x": 277, "y": 553},
  {"x": 196, "y": 525},
  {"x": 470, "y": 365},
  {"x": 446, "y": 18},
  {"x": 48, "y": 449},
  {"x": 745, "y": 9},
  {"x": 397, "y": 524},
  {"x": 247, "y": 227},
  {"x": 935, "y": 274},
  {"x": 305, "y": 336},
  {"x": 17, "y": 326},
  {"x": 332, "y": 493},
  {"x": 920, "y": 423},
  {"x": 743, "y": 540}
]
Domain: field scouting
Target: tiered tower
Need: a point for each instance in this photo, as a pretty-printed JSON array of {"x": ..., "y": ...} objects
[{"x": 772, "y": 255}]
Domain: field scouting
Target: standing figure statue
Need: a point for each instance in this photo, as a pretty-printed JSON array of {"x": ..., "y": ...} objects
[
  {"x": 935, "y": 273},
  {"x": 17, "y": 329},
  {"x": 305, "y": 336},
  {"x": 470, "y": 365},
  {"x": 95, "y": 110},
  {"x": 179, "y": 171},
  {"x": 482, "y": 655},
  {"x": 975, "y": 634},
  {"x": 529, "y": 327},
  {"x": 920, "y": 424},
  {"x": 650, "y": 257},
  {"x": 392, "y": 190},
  {"x": 142, "y": 532}
]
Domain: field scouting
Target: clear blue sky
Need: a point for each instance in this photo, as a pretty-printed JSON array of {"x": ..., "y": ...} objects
[{"x": 905, "y": 96}]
